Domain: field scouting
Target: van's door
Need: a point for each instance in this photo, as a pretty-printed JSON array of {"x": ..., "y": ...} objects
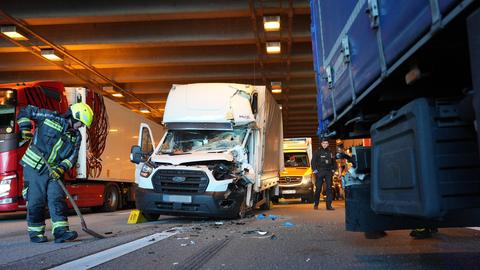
[{"x": 146, "y": 143}]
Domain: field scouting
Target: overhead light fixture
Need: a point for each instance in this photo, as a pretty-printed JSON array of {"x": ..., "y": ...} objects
[
  {"x": 117, "y": 94},
  {"x": 280, "y": 106},
  {"x": 271, "y": 23},
  {"x": 108, "y": 89},
  {"x": 12, "y": 32},
  {"x": 51, "y": 55},
  {"x": 273, "y": 47},
  {"x": 144, "y": 110},
  {"x": 276, "y": 87}
]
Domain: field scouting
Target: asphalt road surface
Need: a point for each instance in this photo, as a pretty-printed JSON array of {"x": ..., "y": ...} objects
[{"x": 290, "y": 236}]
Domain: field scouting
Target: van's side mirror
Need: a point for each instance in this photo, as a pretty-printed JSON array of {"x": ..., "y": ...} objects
[
  {"x": 136, "y": 155},
  {"x": 254, "y": 103}
]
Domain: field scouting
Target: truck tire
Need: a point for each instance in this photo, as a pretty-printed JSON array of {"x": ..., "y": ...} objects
[
  {"x": 111, "y": 198},
  {"x": 275, "y": 200},
  {"x": 150, "y": 216},
  {"x": 308, "y": 199},
  {"x": 267, "y": 205}
]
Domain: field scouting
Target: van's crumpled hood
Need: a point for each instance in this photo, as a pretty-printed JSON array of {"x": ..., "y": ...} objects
[{"x": 193, "y": 157}]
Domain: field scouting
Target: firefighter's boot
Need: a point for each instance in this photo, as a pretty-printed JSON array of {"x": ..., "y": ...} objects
[
  {"x": 39, "y": 238},
  {"x": 62, "y": 235}
]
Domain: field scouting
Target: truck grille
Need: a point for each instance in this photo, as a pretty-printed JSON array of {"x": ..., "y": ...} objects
[
  {"x": 180, "y": 181},
  {"x": 290, "y": 180}
]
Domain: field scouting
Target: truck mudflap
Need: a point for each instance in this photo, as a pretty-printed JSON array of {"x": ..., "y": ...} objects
[
  {"x": 207, "y": 204},
  {"x": 359, "y": 216}
]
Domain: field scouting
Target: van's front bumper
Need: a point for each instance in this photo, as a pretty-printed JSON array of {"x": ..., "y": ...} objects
[
  {"x": 206, "y": 204},
  {"x": 299, "y": 191}
]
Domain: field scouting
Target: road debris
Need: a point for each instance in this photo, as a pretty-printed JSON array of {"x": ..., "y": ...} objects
[
  {"x": 261, "y": 216},
  {"x": 273, "y": 217},
  {"x": 287, "y": 224}
]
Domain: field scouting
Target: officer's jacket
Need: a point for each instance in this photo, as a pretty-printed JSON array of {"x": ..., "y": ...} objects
[
  {"x": 53, "y": 139},
  {"x": 323, "y": 159}
]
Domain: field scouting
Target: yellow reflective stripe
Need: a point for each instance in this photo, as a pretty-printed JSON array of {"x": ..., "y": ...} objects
[
  {"x": 33, "y": 155},
  {"x": 29, "y": 161},
  {"x": 23, "y": 120},
  {"x": 55, "y": 149},
  {"x": 58, "y": 224},
  {"x": 24, "y": 192},
  {"x": 53, "y": 125},
  {"x": 36, "y": 228},
  {"x": 68, "y": 163}
]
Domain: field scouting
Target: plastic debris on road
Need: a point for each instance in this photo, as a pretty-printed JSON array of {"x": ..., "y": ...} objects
[
  {"x": 272, "y": 217},
  {"x": 287, "y": 224},
  {"x": 257, "y": 234},
  {"x": 261, "y": 216}
]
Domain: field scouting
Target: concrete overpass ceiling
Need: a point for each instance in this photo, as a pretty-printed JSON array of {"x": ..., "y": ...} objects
[{"x": 144, "y": 47}]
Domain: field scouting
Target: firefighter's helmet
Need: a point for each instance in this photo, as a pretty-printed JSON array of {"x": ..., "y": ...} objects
[{"x": 83, "y": 113}]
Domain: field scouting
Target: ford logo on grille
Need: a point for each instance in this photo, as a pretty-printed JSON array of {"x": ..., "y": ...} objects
[{"x": 178, "y": 179}]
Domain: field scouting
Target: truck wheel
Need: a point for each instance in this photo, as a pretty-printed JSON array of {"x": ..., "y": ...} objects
[
  {"x": 266, "y": 205},
  {"x": 150, "y": 216},
  {"x": 308, "y": 199},
  {"x": 111, "y": 198},
  {"x": 275, "y": 200}
]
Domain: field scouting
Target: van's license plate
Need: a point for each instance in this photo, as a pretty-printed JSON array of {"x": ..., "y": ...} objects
[
  {"x": 177, "y": 198},
  {"x": 289, "y": 191}
]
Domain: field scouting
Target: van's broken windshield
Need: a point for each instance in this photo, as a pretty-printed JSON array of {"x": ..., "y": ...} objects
[{"x": 188, "y": 141}]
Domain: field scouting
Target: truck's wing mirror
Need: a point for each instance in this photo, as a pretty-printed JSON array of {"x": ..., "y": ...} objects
[
  {"x": 254, "y": 103},
  {"x": 136, "y": 155}
]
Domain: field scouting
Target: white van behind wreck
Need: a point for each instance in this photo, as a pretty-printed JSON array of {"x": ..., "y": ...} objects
[{"x": 221, "y": 154}]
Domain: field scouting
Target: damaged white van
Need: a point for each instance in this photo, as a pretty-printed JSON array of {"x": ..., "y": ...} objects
[{"x": 221, "y": 155}]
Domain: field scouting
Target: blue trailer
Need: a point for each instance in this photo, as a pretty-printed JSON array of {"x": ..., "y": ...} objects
[{"x": 406, "y": 74}]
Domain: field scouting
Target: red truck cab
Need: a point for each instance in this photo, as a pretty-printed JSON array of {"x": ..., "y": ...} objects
[{"x": 14, "y": 96}]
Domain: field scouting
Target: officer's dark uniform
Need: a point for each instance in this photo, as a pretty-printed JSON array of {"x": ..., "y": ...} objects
[
  {"x": 324, "y": 163},
  {"x": 59, "y": 145}
]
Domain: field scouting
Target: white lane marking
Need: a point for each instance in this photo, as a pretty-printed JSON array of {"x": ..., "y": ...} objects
[
  {"x": 474, "y": 228},
  {"x": 115, "y": 252}
]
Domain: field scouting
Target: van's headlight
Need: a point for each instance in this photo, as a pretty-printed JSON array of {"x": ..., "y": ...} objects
[
  {"x": 147, "y": 169},
  {"x": 307, "y": 179}
]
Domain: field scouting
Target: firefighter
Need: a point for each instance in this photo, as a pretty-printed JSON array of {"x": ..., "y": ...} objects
[
  {"x": 57, "y": 139},
  {"x": 323, "y": 165}
]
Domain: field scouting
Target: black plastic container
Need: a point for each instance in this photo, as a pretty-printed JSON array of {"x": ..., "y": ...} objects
[{"x": 424, "y": 161}]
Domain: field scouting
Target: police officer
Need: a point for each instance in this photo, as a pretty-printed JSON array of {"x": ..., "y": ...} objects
[
  {"x": 323, "y": 165},
  {"x": 57, "y": 139}
]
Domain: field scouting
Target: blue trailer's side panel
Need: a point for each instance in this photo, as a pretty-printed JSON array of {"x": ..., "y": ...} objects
[
  {"x": 447, "y": 5},
  {"x": 316, "y": 38},
  {"x": 397, "y": 31},
  {"x": 377, "y": 45},
  {"x": 334, "y": 14},
  {"x": 365, "y": 57}
]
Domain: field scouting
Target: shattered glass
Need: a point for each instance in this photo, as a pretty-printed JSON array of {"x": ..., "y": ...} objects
[{"x": 188, "y": 141}]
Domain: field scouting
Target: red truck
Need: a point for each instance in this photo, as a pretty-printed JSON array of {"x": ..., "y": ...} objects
[{"x": 103, "y": 178}]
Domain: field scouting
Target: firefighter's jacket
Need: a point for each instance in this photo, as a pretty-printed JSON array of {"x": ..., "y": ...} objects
[{"x": 53, "y": 139}]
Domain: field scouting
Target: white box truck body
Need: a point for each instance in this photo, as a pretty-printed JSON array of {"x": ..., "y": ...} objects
[
  {"x": 221, "y": 154},
  {"x": 107, "y": 181}
]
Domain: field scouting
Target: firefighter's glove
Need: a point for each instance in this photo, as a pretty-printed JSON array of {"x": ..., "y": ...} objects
[
  {"x": 27, "y": 135},
  {"x": 57, "y": 172}
]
